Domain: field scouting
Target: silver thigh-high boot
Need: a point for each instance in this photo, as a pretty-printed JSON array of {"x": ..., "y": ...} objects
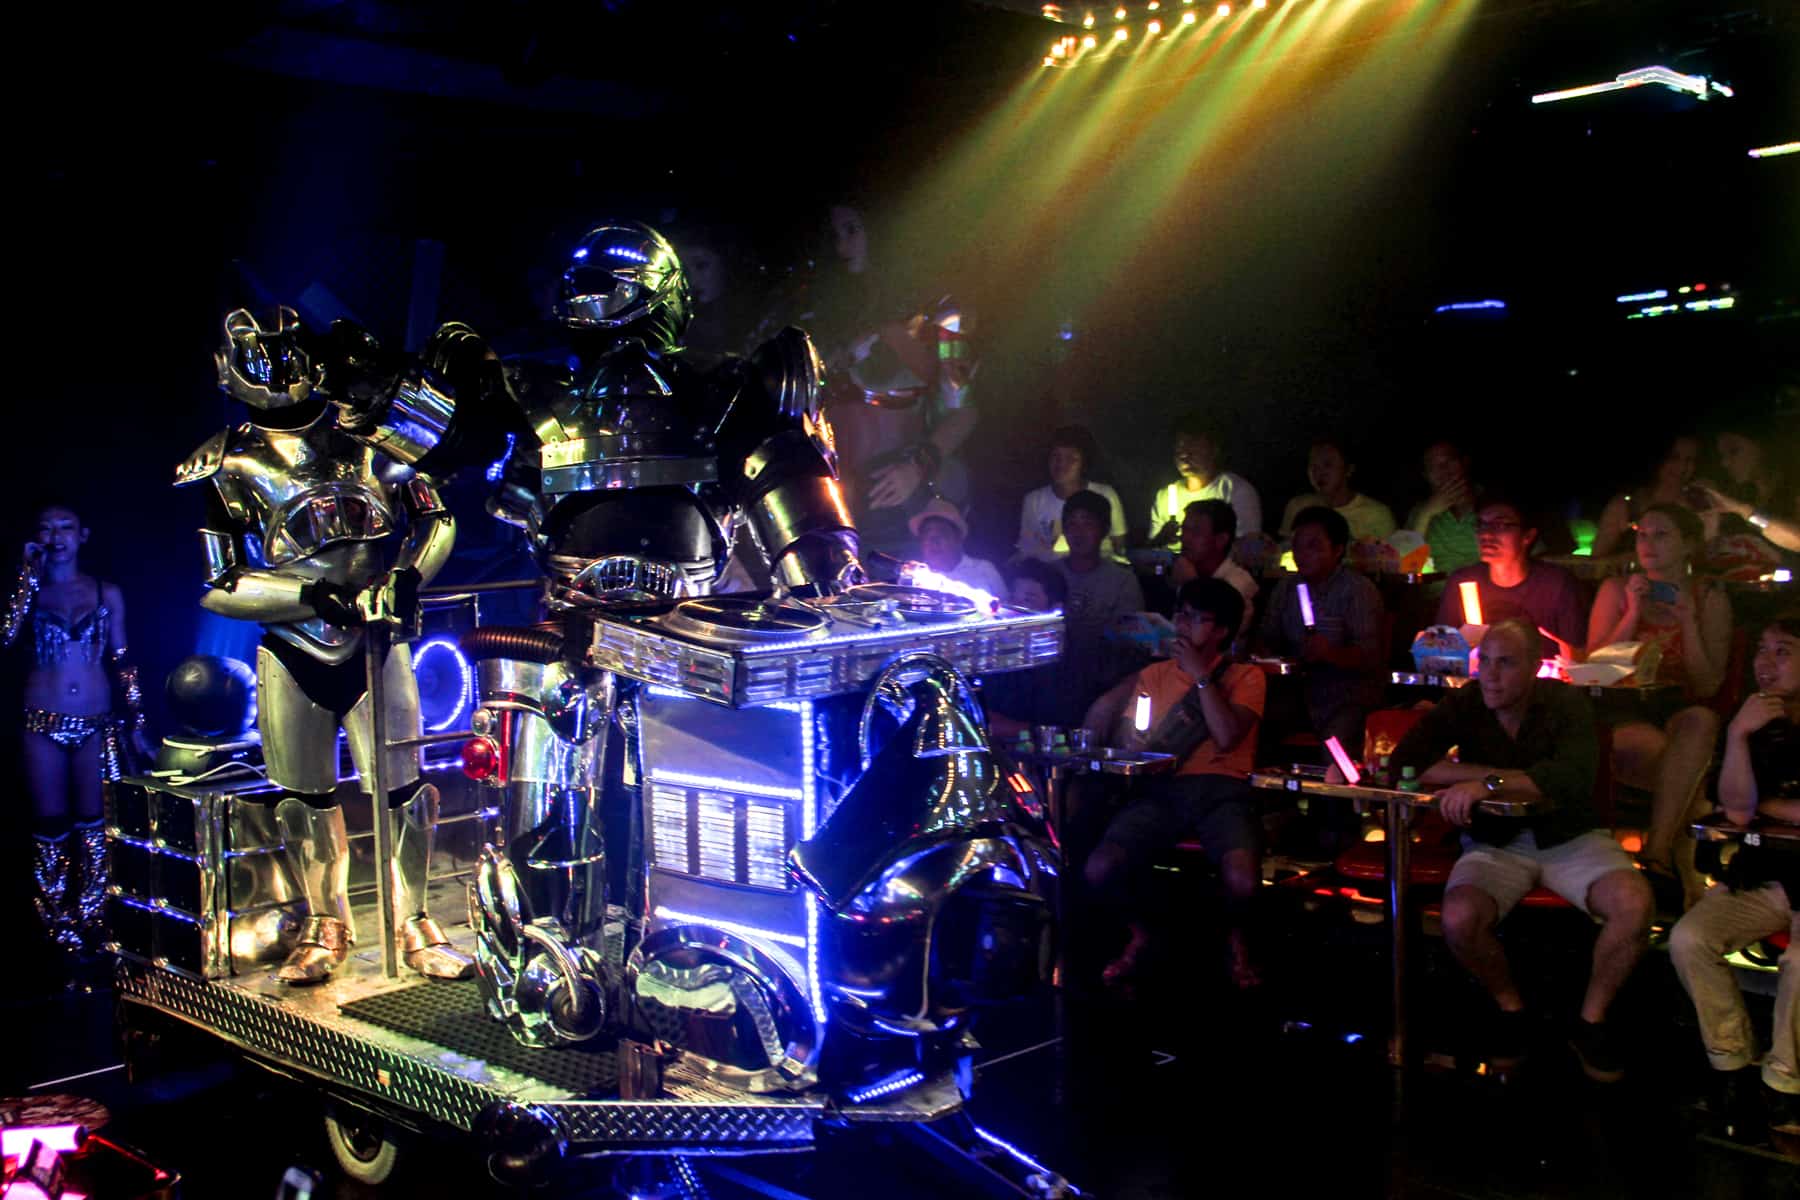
[
  {"x": 422, "y": 943},
  {"x": 90, "y": 904},
  {"x": 318, "y": 853},
  {"x": 50, "y": 891}
]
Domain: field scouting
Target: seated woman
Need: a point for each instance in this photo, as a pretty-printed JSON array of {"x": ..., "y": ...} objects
[
  {"x": 1666, "y": 485},
  {"x": 1691, "y": 623},
  {"x": 1330, "y": 471},
  {"x": 73, "y": 740},
  {"x": 1759, "y": 498},
  {"x": 1761, "y": 777}
]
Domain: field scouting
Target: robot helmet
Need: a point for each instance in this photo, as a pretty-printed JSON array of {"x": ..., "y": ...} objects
[
  {"x": 625, "y": 278},
  {"x": 266, "y": 366}
]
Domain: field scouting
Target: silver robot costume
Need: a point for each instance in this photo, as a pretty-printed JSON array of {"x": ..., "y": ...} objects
[
  {"x": 298, "y": 517},
  {"x": 630, "y": 467}
]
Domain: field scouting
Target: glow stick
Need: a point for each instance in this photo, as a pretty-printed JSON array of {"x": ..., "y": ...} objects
[
  {"x": 1141, "y": 719},
  {"x": 1351, "y": 775},
  {"x": 1471, "y": 598},
  {"x": 1306, "y": 608}
]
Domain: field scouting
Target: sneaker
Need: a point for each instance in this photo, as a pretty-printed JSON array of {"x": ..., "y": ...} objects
[
  {"x": 1599, "y": 1053},
  {"x": 1738, "y": 1101}
]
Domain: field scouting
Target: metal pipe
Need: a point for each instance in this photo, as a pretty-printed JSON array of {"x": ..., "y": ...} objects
[
  {"x": 375, "y": 647},
  {"x": 1398, "y": 845},
  {"x": 432, "y": 739},
  {"x": 469, "y": 589}
]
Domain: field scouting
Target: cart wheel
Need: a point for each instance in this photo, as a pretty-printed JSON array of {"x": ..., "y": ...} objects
[{"x": 362, "y": 1143}]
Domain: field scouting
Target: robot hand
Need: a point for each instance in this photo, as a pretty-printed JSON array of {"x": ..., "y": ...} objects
[
  {"x": 392, "y": 600},
  {"x": 335, "y": 602},
  {"x": 543, "y": 989}
]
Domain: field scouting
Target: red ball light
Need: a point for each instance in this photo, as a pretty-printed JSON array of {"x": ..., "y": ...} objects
[{"x": 480, "y": 759}]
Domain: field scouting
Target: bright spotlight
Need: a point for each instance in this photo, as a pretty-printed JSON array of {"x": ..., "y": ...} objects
[
  {"x": 1121, "y": 34},
  {"x": 1089, "y": 42},
  {"x": 1224, "y": 10},
  {"x": 1188, "y": 18},
  {"x": 1119, "y": 13},
  {"x": 1087, "y": 22},
  {"x": 1152, "y": 29}
]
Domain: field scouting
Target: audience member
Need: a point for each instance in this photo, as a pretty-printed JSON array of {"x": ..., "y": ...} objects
[
  {"x": 1446, "y": 518},
  {"x": 1690, "y": 622},
  {"x": 1521, "y": 738},
  {"x": 1511, "y": 584},
  {"x": 1667, "y": 485},
  {"x": 1341, "y": 649},
  {"x": 1760, "y": 778},
  {"x": 1330, "y": 471},
  {"x": 1208, "y": 528},
  {"x": 1073, "y": 456},
  {"x": 1017, "y": 700},
  {"x": 1760, "y": 494},
  {"x": 941, "y": 530},
  {"x": 1199, "y": 456},
  {"x": 1205, "y": 708},
  {"x": 1100, "y": 592}
]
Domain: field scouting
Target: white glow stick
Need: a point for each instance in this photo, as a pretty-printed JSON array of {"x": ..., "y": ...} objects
[
  {"x": 1471, "y": 598},
  {"x": 1352, "y": 776},
  {"x": 1306, "y": 608},
  {"x": 1141, "y": 719}
]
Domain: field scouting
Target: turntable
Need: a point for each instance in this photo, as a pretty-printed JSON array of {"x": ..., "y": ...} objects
[{"x": 752, "y": 649}]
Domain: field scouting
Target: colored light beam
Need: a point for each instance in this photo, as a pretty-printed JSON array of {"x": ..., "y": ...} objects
[
  {"x": 1694, "y": 85},
  {"x": 1775, "y": 151}
]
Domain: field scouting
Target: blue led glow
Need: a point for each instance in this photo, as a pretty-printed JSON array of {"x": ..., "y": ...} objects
[
  {"x": 1021, "y": 1157},
  {"x": 629, "y": 253},
  {"x": 713, "y": 782},
  {"x": 497, "y": 468},
  {"x": 581, "y": 253},
  {"x": 1350, "y": 1039},
  {"x": 1472, "y": 306},
  {"x": 1635, "y": 297},
  {"x": 897, "y": 1082},
  {"x": 752, "y": 932},
  {"x": 466, "y": 675}
]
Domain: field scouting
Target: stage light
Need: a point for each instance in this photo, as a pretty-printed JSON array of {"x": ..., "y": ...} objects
[
  {"x": 1087, "y": 22},
  {"x": 1224, "y": 10},
  {"x": 1152, "y": 29},
  {"x": 1684, "y": 289},
  {"x": 1775, "y": 151},
  {"x": 1259, "y": 4},
  {"x": 1048, "y": 61},
  {"x": 1697, "y": 86},
  {"x": 1189, "y": 18},
  {"x": 581, "y": 253},
  {"x": 1119, "y": 14},
  {"x": 1635, "y": 297},
  {"x": 1471, "y": 306},
  {"x": 1155, "y": 4},
  {"x": 1121, "y": 34},
  {"x": 430, "y": 691},
  {"x": 1089, "y": 42}
]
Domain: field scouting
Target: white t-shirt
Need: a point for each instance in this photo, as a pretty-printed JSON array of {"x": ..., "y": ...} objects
[
  {"x": 1240, "y": 579},
  {"x": 1172, "y": 500},
  {"x": 1040, "y": 524},
  {"x": 979, "y": 573}
]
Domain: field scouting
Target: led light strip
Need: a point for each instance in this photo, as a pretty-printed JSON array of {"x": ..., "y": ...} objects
[
  {"x": 749, "y": 931},
  {"x": 712, "y": 783},
  {"x": 897, "y": 1082},
  {"x": 1697, "y": 86},
  {"x": 1775, "y": 151}
]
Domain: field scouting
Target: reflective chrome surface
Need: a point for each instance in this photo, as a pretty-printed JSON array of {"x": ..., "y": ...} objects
[
  {"x": 623, "y": 274},
  {"x": 265, "y": 366}
]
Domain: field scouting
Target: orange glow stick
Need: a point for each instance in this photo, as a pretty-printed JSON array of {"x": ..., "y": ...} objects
[{"x": 1471, "y": 598}]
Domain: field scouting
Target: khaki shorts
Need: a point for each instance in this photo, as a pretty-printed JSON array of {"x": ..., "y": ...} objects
[{"x": 1568, "y": 868}]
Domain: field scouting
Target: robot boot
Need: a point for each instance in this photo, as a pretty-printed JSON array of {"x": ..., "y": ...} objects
[
  {"x": 422, "y": 943},
  {"x": 50, "y": 891},
  {"x": 318, "y": 854},
  {"x": 90, "y": 904}
]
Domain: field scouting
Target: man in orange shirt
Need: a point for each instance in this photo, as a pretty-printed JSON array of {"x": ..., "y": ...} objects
[{"x": 1206, "y": 708}]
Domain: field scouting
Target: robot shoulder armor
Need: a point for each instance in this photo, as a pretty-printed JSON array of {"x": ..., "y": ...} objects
[
  {"x": 791, "y": 373},
  {"x": 205, "y": 462}
]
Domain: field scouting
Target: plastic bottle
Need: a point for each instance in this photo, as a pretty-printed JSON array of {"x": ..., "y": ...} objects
[{"x": 1409, "y": 779}]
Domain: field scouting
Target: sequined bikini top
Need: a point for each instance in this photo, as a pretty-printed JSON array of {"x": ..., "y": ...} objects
[{"x": 57, "y": 639}]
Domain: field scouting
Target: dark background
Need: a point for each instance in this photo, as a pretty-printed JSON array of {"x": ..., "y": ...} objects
[{"x": 178, "y": 162}]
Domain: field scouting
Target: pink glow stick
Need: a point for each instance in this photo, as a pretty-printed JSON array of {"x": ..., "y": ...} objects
[
  {"x": 1352, "y": 776},
  {"x": 1306, "y": 608}
]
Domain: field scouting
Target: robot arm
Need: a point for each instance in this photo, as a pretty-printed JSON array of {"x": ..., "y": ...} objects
[
  {"x": 790, "y": 492},
  {"x": 238, "y": 589},
  {"x": 433, "y": 532}
]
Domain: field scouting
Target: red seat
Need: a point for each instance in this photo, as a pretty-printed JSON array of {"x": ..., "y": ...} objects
[
  {"x": 1778, "y": 940},
  {"x": 1428, "y": 866},
  {"x": 1543, "y": 898}
]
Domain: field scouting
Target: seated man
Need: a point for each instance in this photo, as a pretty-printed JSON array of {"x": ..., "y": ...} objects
[
  {"x": 1100, "y": 592},
  {"x": 1208, "y": 528},
  {"x": 1342, "y": 652},
  {"x": 1761, "y": 777},
  {"x": 1329, "y": 470},
  {"x": 1521, "y": 738},
  {"x": 1040, "y": 695},
  {"x": 1199, "y": 456},
  {"x": 940, "y": 530},
  {"x": 1511, "y": 585},
  {"x": 1206, "y": 708}
]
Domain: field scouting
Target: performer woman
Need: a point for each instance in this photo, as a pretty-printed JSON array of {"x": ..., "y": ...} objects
[{"x": 72, "y": 737}]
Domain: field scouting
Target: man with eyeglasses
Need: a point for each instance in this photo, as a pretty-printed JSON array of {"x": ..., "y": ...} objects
[
  {"x": 1204, "y": 708},
  {"x": 1514, "y": 587}
]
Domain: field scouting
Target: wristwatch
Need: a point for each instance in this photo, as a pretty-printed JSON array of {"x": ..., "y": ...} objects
[
  {"x": 1760, "y": 518},
  {"x": 1202, "y": 683},
  {"x": 1493, "y": 783}
]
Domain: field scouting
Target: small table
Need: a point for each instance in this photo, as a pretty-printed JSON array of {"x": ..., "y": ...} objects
[
  {"x": 1397, "y": 807},
  {"x": 1761, "y": 831}
]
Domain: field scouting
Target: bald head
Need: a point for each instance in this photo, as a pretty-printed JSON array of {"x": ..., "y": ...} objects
[
  {"x": 1524, "y": 637},
  {"x": 1510, "y": 654}
]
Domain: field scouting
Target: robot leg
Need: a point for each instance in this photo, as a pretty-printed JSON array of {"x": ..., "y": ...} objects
[
  {"x": 539, "y": 903},
  {"x": 300, "y": 752}
]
